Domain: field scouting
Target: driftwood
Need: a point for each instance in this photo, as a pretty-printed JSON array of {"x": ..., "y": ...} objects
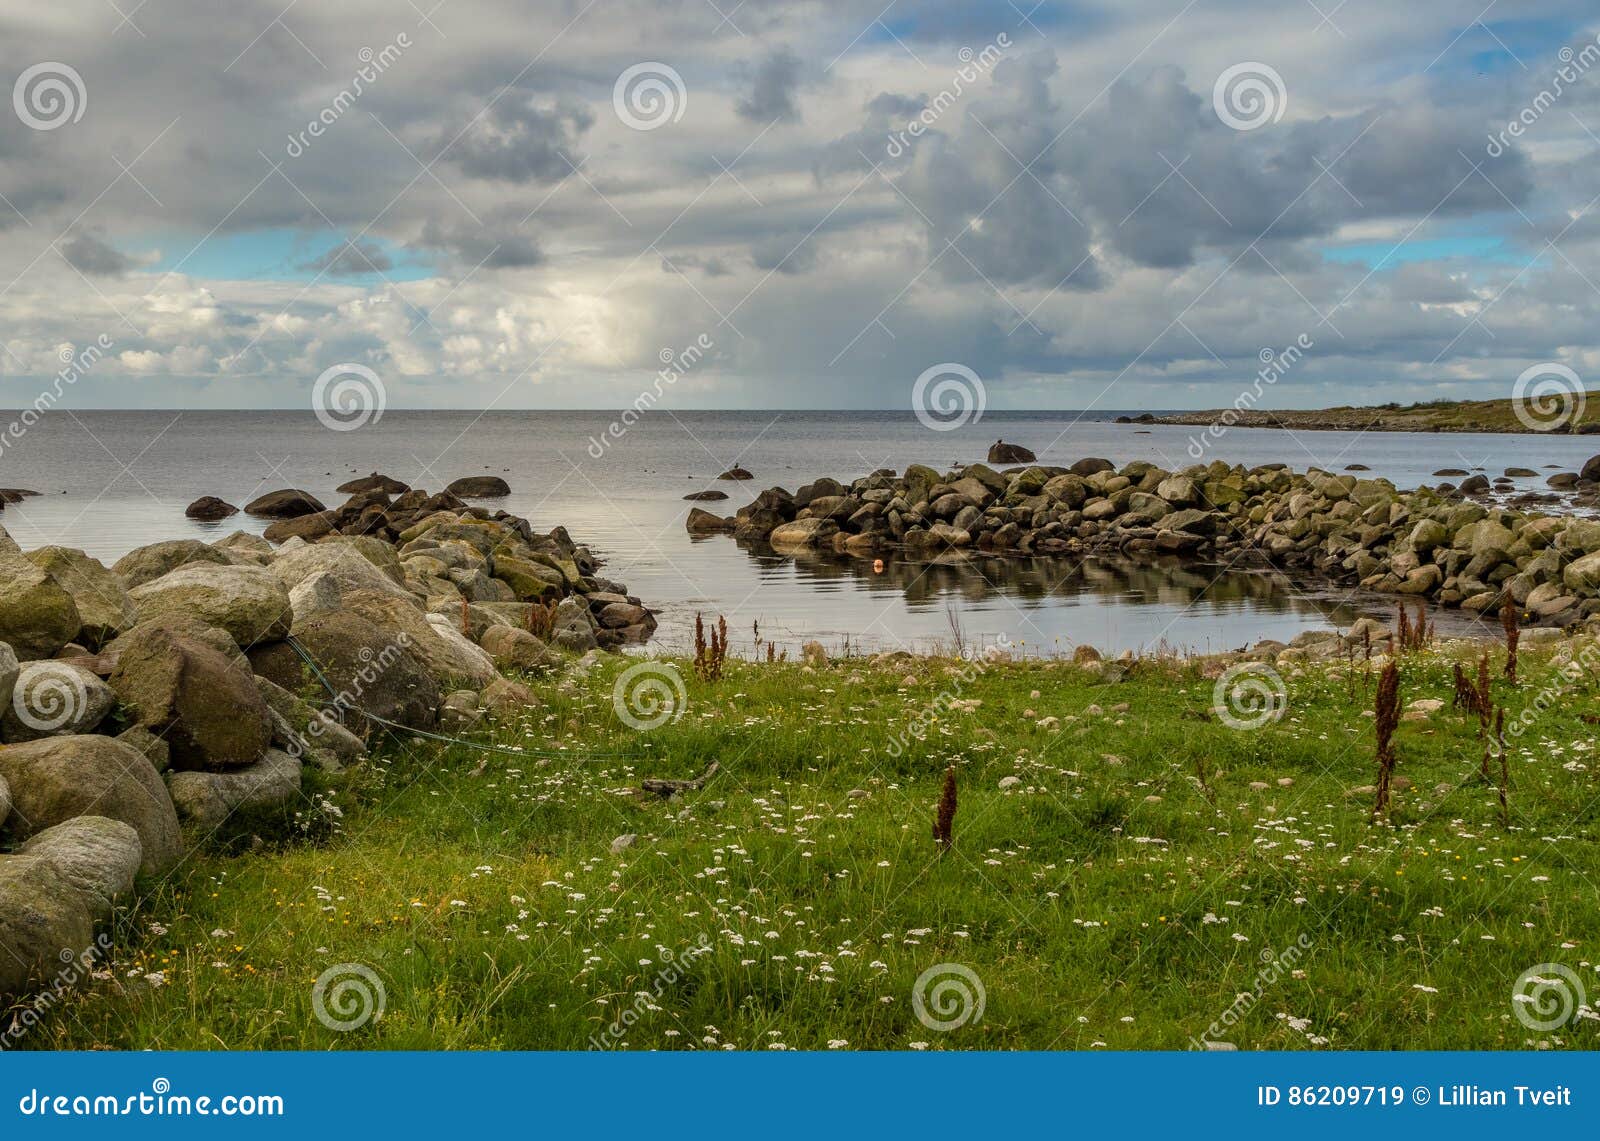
[{"x": 664, "y": 787}]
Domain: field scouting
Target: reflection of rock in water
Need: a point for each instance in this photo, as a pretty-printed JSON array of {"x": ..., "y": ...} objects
[{"x": 927, "y": 581}]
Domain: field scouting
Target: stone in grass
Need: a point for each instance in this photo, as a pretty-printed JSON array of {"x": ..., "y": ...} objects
[
  {"x": 208, "y": 799},
  {"x": 58, "y": 778},
  {"x": 1009, "y": 782},
  {"x": 623, "y": 842}
]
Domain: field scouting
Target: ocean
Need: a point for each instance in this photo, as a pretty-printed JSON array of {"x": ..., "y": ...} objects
[{"x": 112, "y": 481}]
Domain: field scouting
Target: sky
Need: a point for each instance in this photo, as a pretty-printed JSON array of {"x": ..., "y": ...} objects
[{"x": 1117, "y": 206}]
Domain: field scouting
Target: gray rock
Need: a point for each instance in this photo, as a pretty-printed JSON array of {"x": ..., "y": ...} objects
[
  {"x": 104, "y": 608},
  {"x": 58, "y": 778},
  {"x": 96, "y": 857},
  {"x": 10, "y": 668},
  {"x": 37, "y": 614},
  {"x": 250, "y": 603},
  {"x": 55, "y": 699},
  {"x": 43, "y": 924},
  {"x": 146, "y": 564},
  {"x": 208, "y": 799}
]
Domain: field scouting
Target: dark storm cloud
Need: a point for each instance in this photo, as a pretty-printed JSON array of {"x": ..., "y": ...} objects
[{"x": 88, "y": 254}]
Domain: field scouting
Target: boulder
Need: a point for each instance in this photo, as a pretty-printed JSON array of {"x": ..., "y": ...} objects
[
  {"x": 1001, "y": 452},
  {"x": 446, "y": 653},
  {"x": 104, "y": 608},
  {"x": 208, "y": 799},
  {"x": 5, "y": 801},
  {"x": 9, "y": 671},
  {"x": 154, "y": 748},
  {"x": 369, "y": 668},
  {"x": 37, "y": 614},
  {"x": 209, "y": 509},
  {"x": 738, "y": 473},
  {"x": 250, "y": 603},
  {"x": 1590, "y": 470},
  {"x": 702, "y": 522},
  {"x": 373, "y": 482},
  {"x": 315, "y": 594},
  {"x": 709, "y": 495},
  {"x": 479, "y": 487},
  {"x": 1091, "y": 465},
  {"x": 346, "y": 562},
  {"x": 146, "y": 564},
  {"x": 204, "y": 705},
  {"x": 309, "y": 527},
  {"x": 504, "y": 698},
  {"x": 514, "y": 648},
  {"x": 802, "y": 533},
  {"x": 288, "y": 503},
  {"x": 55, "y": 699},
  {"x": 58, "y": 778},
  {"x": 43, "y": 924},
  {"x": 95, "y": 857}
]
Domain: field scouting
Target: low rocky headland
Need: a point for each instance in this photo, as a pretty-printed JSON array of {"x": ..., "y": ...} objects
[
  {"x": 1433, "y": 416},
  {"x": 183, "y": 691},
  {"x": 1437, "y": 544}
]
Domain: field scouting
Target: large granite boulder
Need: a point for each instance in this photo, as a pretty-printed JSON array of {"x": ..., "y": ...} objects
[
  {"x": 37, "y": 613},
  {"x": 10, "y": 669},
  {"x": 104, "y": 609},
  {"x": 479, "y": 487},
  {"x": 349, "y": 565},
  {"x": 52, "y": 894},
  {"x": 250, "y": 603},
  {"x": 146, "y": 564},
  {"x": 206, "y": 706},
  {"x": 55, "y": 699},
  {"x": 285, "y": 504},
  {"x": 209, "y": 509},
  {"x": 208, "y": 799},
  {"x": 58, "y": 778},
  {"x": 432, "y": 639},
  {"x": 1001, "y": 452},
  {"x": 371, "y": 669}
]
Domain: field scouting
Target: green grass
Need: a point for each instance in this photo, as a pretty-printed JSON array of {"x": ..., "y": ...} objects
[{"x": 1107, "y": 900}]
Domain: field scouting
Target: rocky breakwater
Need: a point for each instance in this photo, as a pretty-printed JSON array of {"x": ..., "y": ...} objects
[
  {"x": 1427, "y": 543},
  {"x": 153, "y": 704}
]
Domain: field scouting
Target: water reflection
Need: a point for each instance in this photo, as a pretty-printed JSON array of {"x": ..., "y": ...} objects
[{"x": 1051, "y": 603}]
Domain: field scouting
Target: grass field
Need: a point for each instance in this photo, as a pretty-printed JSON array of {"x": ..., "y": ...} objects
[{"x": 1147, "y": 866}]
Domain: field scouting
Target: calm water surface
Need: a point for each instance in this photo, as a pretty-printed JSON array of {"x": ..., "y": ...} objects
[{"x": 117, "y": 480}]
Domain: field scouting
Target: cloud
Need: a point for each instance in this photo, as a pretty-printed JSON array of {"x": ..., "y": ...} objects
[
  {"x": 519, "y": 140},
  {"x": 88, "y": 254},
  {"x": 772, "y": 90}
]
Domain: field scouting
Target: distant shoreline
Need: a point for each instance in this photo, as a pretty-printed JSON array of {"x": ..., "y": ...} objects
[{"x": 1497, "y": 416}]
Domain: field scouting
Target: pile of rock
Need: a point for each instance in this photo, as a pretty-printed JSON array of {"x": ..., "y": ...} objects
[
  {"x": 168, "y": 687},
  {"x": 1428, "y": 543}
]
